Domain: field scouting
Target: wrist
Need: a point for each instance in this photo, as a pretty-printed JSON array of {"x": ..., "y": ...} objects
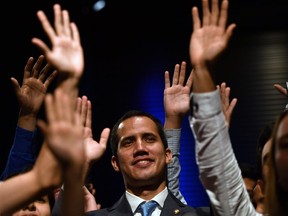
[
  {"x": 173, "y": 121},
  {"x": 27, "y": 122}
]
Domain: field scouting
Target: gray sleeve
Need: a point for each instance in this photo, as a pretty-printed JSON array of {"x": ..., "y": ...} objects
[
  {"x": 174, "y": 168},
  {"x": 218, "y": 168}
]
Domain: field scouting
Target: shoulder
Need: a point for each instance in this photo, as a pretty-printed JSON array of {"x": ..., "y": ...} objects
[
  {"x": 119, "y": 208},
  {"x": 173, "y": 206},
  {"x": 100, "y": 212}
]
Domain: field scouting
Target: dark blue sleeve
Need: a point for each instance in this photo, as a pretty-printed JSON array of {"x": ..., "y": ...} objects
[{"x": 22, "y": 153}]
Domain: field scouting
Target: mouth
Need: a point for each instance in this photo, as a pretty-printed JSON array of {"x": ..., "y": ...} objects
[{"x": 142, "y": 162}]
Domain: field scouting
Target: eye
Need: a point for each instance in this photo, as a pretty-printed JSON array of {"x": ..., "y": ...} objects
[
  {"x": 127, "y": 142},
  {"x": 150, "y": 138},
  {"x": 283, "y": 143}
]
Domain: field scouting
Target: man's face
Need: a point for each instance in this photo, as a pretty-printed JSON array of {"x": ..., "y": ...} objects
[
  {"x": 281, "y": 153},
  {"x": 40, "y": 207},
  {"x": 141, "y": 156}
]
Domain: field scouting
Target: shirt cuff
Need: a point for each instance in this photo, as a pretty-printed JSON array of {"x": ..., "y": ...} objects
[{"x": 205, "y": 105}]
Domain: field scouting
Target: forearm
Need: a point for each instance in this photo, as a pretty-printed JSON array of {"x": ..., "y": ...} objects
[
  {"x": 203, "y": 79},
  {"x": 69, "y": 85},
  {"x": 22, "y": 153},
  {"x": 19, "y": 191},
  {"x": 73, "y": 196}
]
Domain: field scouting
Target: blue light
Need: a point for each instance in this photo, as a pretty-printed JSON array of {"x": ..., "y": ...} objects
[{"x": 99, "y": 5}]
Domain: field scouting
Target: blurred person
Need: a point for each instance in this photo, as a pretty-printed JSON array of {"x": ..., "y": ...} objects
[
  {"x": 251, "y": 180},
  {"x": 276, "y": 186},
  {"x": 42, "y": 206},
  {"x": 66, "y": 55},
  {"x": 218, "y": 168},
  {"x": 30, "y": 96}
]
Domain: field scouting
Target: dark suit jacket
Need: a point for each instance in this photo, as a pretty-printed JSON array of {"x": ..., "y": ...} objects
[{"x": 172, "y": 206}]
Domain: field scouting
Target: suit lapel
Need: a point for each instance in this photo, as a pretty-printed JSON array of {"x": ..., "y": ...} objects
[
  {"x": 173, "y": 206},
  {"x": 121, "y": 208}
]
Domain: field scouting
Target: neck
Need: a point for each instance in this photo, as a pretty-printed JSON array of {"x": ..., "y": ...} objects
[{"x": 146, "y": 192}]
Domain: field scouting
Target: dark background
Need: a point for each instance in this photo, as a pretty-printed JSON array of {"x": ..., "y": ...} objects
[{"x": 128, "y": 46}]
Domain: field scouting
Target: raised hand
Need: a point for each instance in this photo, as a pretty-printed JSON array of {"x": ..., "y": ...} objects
[
  {"x": 30, "y": 95},
  {"x": 177, "y": 96},
  {"x": 227, "y": 105},
  {"x": 66, "y": 53},
  {"x": 64, "y": 131},
  {"x": 93, "y": 149},
  {"x": 209, "y": 38},
  {"x": 90, "y": 203}
]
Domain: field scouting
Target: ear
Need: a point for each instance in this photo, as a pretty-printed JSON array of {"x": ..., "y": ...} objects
[
  {"x": 168, "y": 154},
  {"x": 115, "y": 163}
]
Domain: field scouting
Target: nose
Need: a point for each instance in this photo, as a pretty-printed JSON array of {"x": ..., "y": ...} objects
[{"x": 139, "y": 147}]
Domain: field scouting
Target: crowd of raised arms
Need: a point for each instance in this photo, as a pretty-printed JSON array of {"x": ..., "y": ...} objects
[{"x": 54, "y": 182}]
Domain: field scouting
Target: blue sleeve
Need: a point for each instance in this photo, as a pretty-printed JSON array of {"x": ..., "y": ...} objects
[{"x": 22, "y": 153}]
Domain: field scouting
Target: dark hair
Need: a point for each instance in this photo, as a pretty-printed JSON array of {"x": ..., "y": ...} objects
[
  {"x": 248, "y": 171},
  {"x": 114, "y": 138}
]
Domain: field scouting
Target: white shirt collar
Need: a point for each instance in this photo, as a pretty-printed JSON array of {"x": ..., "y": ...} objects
[{"x": 134, "y": 201}]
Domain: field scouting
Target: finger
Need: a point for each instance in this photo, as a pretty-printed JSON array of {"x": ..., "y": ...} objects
[
  {"x": 222, "y": 92},
  {"x": 50, "y": 78},
  {"x": 167, "y": 79},
  {"x": 223, "y": 14},
  {"x": 46, "y": 25},
  {"x": 280, "y": 89},
  {"x": 37, "y": 66},
  {"x": 28, "y": 68},
  {"x": 41, "y": 45},
  {"x": 104, "y": 137},
  {"x": 83, "y": 113},
  {"x": 206, "y": 12},
  {"x": 176, "y": 74},
  {"x": 215, "y": 12},
  {"x": 227, "y": 96},
  {"x": 232, "y": 105},
  {"x": 182, "y": 73},
  {"x": 230, "y": 110},
  {"x": 89, "y": 115},
  {"x": 85, "y": 190},
  {"x": 66, "y": 23},
  {"x": 16, "y": 86},
  {"x": 75, "y": 32},
  {"x": 229, "y": 31},
  {"x": 58, "y": 23},
  {"x": 98, "y": 206},
  {"x": 195, "y": 19},
  {"x": 190, "y": 80},
  {"x": 44, "y": 72},
  {"x": 78, "y": 104}
]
